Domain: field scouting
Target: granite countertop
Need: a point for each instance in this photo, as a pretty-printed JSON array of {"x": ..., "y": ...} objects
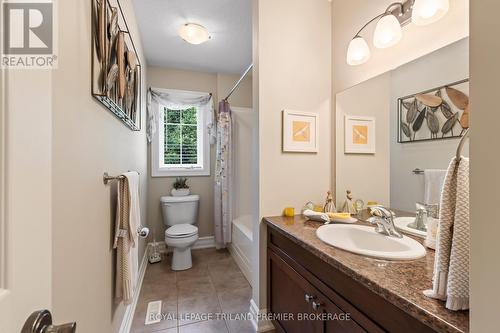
[{"x": 399, "y": 282}]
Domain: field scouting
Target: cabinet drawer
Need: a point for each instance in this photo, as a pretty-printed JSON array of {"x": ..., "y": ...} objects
[{"x": 299, "y": 307}]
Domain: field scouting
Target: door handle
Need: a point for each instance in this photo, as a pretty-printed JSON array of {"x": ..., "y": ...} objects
[
  {"x": 316, "y": 305},
  {"x": 41, "y": 322},
  {"x": 308, "y": 298}
]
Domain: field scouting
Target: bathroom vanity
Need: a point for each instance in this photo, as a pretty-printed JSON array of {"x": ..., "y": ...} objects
[{"x": 345, "y": 292}]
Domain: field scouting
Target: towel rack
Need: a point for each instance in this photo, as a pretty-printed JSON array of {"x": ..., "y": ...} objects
[
  {"x": 418, "y": 171},
  {"x": 462, "y": 142},
  {"x": 106, "y": 178}
]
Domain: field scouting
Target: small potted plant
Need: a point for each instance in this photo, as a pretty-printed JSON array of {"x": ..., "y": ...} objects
[{"x": 180, "y": 187}]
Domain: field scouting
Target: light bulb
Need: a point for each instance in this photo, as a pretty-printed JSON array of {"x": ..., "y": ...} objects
[
  {"x": 194, "y": 33},
  {"x": 358, "y": 52},
  {"x": 429, "y": 11},
  {"x": 387, "y": 32}
]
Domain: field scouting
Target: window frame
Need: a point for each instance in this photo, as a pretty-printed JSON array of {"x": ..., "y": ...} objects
[{"x": 157, "y": 154}]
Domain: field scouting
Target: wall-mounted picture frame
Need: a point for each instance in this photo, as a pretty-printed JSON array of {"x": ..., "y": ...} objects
[
  {"x": 435, "y": 114},
  {"x": 300, "y": 131},
  {"x": 116, "y": 68},
  {"x": 359, "y": 135}
]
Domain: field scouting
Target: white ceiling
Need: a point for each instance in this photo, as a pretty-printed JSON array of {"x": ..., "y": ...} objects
[{"x": 228, "y": 21}]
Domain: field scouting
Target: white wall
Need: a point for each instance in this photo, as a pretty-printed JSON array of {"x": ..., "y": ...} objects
[
  {"x": 219, "y": 85},
  {"x": 485, "y": 179},
  {"x": 293, "y": 61},
  {"x": 243, "y": 163},
  {"x": 447, "y": 65},
  {"x": 87, "y": 140},
  {"x": 350, "y": 16},
  {"x": 366, "y": 175}
]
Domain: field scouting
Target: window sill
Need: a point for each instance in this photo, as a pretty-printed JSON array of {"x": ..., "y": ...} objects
[{"x": 180, "y": 173}]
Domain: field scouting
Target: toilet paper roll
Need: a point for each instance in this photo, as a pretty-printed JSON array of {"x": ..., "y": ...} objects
[{"x": 143, "y": 232}]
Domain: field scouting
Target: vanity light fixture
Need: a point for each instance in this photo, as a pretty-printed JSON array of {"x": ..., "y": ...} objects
[
  {"x": 194, "y": 33},
  {"x": 429, "y": 11},
  {"x": 388, "y": 30}
]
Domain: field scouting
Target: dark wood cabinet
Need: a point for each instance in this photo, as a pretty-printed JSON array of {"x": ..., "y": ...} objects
[
  {"x": 299, "y": 307},
  {"x": 307, "y": 295}
]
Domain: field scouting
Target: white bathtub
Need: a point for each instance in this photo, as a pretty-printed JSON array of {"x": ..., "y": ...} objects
[{"x": 241, "y": 245}]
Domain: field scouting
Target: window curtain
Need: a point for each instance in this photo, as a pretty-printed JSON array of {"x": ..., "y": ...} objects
[
  {"x": 178, "y": 100},
  {"x": 223, "y": 176}
]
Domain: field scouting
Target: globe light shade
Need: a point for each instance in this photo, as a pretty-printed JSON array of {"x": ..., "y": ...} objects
[
  {"x": 358, "y": 52},
  {"x": 387, "y": 32},
  {"x": 194, "y": 33},
  {"x": 429, "y": 11}
]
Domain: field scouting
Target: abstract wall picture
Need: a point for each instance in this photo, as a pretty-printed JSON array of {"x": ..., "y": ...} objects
[
  {"x": 300, "y": 131},
  {"x": 116, "y": 69},
  {"x": 435, "y": 114},
  {"x": 359, "y": 135}
]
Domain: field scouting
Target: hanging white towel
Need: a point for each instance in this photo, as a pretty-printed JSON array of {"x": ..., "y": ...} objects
[
  {"x": 433, "y": 180},
  {"x": 451, "y": 265},
  {"x": 128, "y": 218}
]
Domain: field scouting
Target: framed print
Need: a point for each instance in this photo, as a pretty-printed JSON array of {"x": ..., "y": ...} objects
[
  {"x": 359, "y": 135},
  {"x": 300, "y": 131}
]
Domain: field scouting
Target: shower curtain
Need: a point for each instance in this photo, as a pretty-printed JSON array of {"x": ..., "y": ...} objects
[{"x": 223, "y": 176}]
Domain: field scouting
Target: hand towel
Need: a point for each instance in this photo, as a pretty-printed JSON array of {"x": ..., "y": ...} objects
[
  {"x": 433, "y": 183},
  {"x": 127, "y": 221},
  {"x": 451, "y": 265}
]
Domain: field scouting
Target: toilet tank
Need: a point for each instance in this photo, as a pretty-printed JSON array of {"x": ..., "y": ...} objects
[{"x": 179, "y": 210}]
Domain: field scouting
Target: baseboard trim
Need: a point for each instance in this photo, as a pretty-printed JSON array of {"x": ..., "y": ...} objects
[
  {"x": 128, "y": 317},
  {"x": 202, "y": 243},
  {"x": 241, "y": 261},
  {"x": 259, "y": 325}
]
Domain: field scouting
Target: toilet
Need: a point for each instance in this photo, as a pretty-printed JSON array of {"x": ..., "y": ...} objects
[{"x": 179, "y": 215}]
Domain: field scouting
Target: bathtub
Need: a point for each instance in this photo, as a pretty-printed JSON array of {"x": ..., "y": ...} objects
[{"x": 241, "y": 245}]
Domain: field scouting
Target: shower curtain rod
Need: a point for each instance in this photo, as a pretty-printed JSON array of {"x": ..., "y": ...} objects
[{"x": 239, "y": 81}]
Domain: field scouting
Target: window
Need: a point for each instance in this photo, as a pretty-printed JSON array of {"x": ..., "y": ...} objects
[{"x": 181, "y": 143}]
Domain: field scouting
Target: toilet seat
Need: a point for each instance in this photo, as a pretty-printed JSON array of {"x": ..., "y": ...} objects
[{"x": 181, "y": 231}]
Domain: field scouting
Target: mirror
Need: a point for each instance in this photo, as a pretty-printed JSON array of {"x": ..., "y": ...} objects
[{"x": 392, "y": 127}]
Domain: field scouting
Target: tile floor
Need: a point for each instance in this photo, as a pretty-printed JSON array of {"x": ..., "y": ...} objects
[{"x": 214, "y": 284}]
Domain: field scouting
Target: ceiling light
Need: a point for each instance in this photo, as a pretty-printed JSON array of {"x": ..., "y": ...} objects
[
  {"x": 387, "y": 32},
  {"x": 358, "y": 52},
  {"x": 194, "y": 33},
  {"x": 429, "y": 11}
]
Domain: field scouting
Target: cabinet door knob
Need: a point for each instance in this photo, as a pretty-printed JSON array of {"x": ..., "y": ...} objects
[
  {"x": 309, "y": 298},
  {"x": 316, "y": 305}
]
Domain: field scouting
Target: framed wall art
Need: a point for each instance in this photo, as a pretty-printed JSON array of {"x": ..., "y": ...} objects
[
  {"x": 435, "y": 114},
  {"x": 359, "y": 135},
  {"x": 116, "y": 69},
  {"x": 300, "y": 131}
]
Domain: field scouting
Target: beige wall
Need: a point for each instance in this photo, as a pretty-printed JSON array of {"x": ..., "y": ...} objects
[
  {"x": 87, "y": 140},
  {"x": 349, "y": 16},
  {"x": 366, "y": 175},
  {"x": 26, "y": 236},
  {"x": 294, "y": 72},
  {"x": 218, "y": 85},
  {"x": 485, "y": 180}
]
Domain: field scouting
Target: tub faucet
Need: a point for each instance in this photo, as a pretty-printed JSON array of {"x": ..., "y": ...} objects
[{"x": 384, "y": 221}]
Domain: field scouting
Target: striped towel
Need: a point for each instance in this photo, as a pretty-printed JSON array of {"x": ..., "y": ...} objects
[
  {"x": 451, "y": 266},
  {"x": 127, "y": 220}
]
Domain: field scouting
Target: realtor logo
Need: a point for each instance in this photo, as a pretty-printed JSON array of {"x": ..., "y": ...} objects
[{"x": 28, "y": 38}]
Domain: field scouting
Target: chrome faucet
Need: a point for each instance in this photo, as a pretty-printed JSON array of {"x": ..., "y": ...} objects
[{"x": 384, "y": 221}]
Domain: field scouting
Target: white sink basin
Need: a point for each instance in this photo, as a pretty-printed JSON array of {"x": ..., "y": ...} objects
[{"x": 366, "y": 241}]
